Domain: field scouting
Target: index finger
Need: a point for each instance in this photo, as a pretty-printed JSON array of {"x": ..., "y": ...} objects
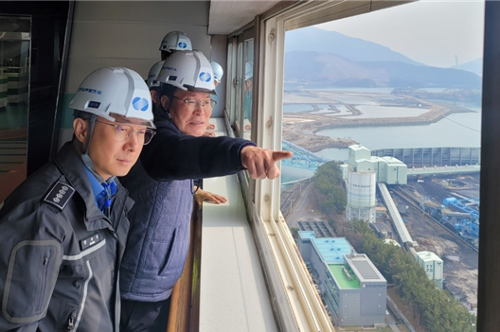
[{"x": 279, "y": 155}]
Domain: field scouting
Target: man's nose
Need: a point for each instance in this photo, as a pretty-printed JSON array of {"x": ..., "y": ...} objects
[
  {"x": 133, "y": 141},
  {"x": 198, "y": 108}
]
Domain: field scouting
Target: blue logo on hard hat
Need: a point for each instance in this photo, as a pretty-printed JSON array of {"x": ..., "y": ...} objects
[
  {"x": 140, "y": 104},
  {"x": 205, "y": 77},
  {"x": 182, "y": 45}
]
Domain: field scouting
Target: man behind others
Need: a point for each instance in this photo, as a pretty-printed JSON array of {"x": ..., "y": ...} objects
[
  {"x": 63, "y": 230},
  {"x": 160, "y": 183},
  {"x": 172, "y": 42}
]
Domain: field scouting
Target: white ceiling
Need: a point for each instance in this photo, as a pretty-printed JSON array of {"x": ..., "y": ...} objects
[{"x": 228, "y": 16}]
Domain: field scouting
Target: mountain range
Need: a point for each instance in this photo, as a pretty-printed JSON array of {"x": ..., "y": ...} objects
[
  {"x": 475, "y": 66},
  {"x": 332, "y": 59}
]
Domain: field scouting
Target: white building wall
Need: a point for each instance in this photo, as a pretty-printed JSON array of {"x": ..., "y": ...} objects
[
  {"x": 365, "y": 165},
  {"x": 432, "y": 265},
  {"x": 381, "y": 171},
  {"x": 344, "y": 168},
  {"x": 357, "y": 152},
  {"x": 110, "y": 33},
  {"x": 402, "y": 174},
  {"x": 396, "y": 171}
]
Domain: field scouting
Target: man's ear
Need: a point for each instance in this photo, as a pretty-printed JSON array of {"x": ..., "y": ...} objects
[
  {"x": 154, "y": 96},
  {"x": 81, "y": 129},
  {"x": 165, "y": 102}
]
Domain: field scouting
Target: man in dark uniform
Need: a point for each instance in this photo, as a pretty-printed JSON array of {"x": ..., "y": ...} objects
[{"x": 63, "y": 230}]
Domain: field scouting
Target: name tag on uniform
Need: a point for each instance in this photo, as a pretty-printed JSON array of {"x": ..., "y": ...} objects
[
  {"x": 59, "y": 195},
  {"x": 90, "y": 241}
]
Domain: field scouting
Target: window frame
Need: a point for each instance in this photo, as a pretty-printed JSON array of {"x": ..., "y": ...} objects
[
  {"x": 298, "y": 299},
  {"x": 284, "y": 270}
]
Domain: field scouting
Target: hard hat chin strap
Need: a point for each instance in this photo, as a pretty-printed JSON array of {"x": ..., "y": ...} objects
[{"x": 85, "y": 155}]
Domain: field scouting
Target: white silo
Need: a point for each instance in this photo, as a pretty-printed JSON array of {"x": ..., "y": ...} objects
[{"x": 361, "y": 200}]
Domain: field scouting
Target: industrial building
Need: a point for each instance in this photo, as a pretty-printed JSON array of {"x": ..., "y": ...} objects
[
  {"x": 353, "y": 289},
  {"x": 361, "y": 174},
  {"x": 387, "y": 169},
  {"x": 432, "y": 265}
]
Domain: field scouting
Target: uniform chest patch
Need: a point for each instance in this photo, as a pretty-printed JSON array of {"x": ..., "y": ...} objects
[
  {"x": 59, "y": 195},
  {"x": 90, "y": 241}
]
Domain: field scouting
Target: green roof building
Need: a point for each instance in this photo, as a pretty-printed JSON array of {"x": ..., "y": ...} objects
[{"x": 351, "y": 286}]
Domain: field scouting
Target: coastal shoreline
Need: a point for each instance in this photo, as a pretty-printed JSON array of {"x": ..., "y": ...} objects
[{"x": 301, "y": 128}]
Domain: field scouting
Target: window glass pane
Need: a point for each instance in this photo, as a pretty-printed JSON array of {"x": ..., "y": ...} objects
[
  {"x": 383, "y": 114},
  {"x": 231, "y": 74},
  {"x": 15, "y": 36},
  {"x": 247, "y": 87}
]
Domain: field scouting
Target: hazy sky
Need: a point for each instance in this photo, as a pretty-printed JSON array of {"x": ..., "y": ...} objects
[{"x": 430, "y": 32}]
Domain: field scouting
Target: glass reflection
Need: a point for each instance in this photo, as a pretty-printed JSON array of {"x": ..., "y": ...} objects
[{"x": 14, "y": 100}]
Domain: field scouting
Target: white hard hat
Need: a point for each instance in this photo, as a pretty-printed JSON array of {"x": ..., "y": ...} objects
[
  {"x": 175, "y": 41},
  {"x": 248, "y": 70},
  {"x": 188, "y": 70},
  {"x": 115, "y": 90},
  {"x": 155, "y": 70},
  {"x": 218, "y": 71}
]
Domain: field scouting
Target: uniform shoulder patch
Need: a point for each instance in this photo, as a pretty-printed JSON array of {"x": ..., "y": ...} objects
[{"x": 59, "y": 195}]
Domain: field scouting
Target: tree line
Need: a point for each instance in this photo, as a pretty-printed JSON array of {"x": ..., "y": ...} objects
[
  {"x": 330, "y": 185},
  {"x": 434, "y": 308}
]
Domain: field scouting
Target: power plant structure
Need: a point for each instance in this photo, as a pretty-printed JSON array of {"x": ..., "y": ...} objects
[
  {"x": 463, "y": 219},
  {"x": 361, "y": 174},
  {"x": 432, "y": 265},
  {"x": 361, "y": 198},
  {"x": 353, "y": 289}
]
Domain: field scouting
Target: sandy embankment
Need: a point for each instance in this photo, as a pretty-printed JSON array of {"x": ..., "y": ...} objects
[{"x": 300, "y": 128}]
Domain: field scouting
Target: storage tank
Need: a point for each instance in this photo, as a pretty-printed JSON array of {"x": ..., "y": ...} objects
[{"x": 361, "y": 200}]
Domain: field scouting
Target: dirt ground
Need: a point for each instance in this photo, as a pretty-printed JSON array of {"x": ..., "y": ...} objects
[{"x": 460, "y": 260}]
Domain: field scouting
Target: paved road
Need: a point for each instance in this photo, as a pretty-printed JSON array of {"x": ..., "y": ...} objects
[{"x": 302, "y": 210}]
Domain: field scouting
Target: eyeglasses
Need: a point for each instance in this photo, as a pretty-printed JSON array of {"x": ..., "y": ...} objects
[
  {"x": 124, "y": 132},
  {"x": 192, "y": 104}
]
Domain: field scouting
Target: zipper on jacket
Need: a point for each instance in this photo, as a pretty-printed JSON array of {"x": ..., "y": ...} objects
[
  {"x": 43, "y": 272},
  {"x": 71, "y": 323},
  {"x": 76, "y": 318}
]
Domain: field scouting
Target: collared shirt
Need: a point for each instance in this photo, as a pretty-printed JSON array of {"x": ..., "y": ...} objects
[{"x": 102, "y": 196}]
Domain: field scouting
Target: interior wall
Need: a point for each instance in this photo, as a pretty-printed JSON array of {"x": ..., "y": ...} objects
[
  {"x": 219, "y": 54},
  {"x": 114, "y": 33}
]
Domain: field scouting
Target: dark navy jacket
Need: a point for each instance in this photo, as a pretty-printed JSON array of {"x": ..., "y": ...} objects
[{"x": 158, "y": 241}]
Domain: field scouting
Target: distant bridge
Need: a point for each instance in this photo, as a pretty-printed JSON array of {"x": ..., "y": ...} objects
[
  {"x": 420, "y": 161},
  {"x": 302, "y": 158}
]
